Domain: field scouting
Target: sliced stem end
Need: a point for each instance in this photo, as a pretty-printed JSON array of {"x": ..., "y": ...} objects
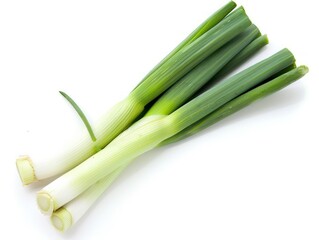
[
  {"x": 61, "y": 219},
  {"x": 303, "y": 69},
  {"x": 45, "y": 203},
  {"x": 25, "y": 170}
]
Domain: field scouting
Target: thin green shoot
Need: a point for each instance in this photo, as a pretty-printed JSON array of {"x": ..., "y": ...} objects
[{"x": 81, "y": 114}]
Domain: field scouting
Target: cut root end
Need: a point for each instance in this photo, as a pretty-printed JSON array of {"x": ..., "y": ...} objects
[
  {"x": 303, "y": 69},
  {"x": 61, "y": 219},
  {"x": 45, "y": 203},
  {"x": 26, "y": 170}
]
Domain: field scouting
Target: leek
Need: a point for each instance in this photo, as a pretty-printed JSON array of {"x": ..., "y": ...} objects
[
  {"x": 194, "y": 50},
  {"x": 150, "y": 131},
  {"x": 179, "y": 97},
  {"x": 70, "y": 213}
]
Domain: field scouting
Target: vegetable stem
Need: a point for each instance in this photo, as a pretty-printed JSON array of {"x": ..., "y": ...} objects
[
  {"x": 209, "y": 23},
  {"x": 123, "y": 114},
  {"x": 191, "y": 55},
  {"x": 185, "y": 88},
  {"x": 150, "y": 131},
  {"x": 239, "y": 103},
  {"x": 241, "y": 57},
  {"x": 71, "y": 212},
  {"x": 227, "y": 90}
]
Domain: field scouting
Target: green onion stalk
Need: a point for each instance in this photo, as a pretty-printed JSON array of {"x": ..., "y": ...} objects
[
  {"x": 70, "y": 213},
  {"x": 239, "y": 103},
  {"x": 213, "y": 34},
  {"x": 150, "y": 131},
  {"x": 66, "y": 216},
  {"x": 204, "y": 72}
]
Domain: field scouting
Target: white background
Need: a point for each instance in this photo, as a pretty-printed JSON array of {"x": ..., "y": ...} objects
[{"x": 255, "y": 175}]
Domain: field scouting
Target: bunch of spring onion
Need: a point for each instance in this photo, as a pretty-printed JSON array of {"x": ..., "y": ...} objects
[{"x": 186, "y": 96}]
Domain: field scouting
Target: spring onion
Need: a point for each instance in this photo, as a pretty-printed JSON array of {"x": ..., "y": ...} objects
[
  {"x": 196, "y": 48},
  {"x": 70, "y": 213},
  {"x": 182, "y": 95},
  {"x": 150, "y": 131}
]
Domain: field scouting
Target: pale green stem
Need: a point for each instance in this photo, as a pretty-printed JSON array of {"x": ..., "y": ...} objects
[
  {"x": 149, "y": 132},
  {"x": 122, "y": 115}
]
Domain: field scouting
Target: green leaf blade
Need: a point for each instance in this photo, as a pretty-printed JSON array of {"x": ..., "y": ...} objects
[{"x": 81, "y": 114}]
